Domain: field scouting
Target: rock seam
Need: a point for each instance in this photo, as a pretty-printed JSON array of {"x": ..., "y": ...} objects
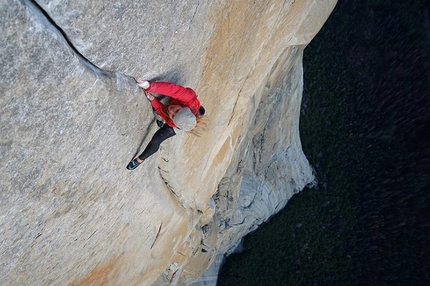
[{"x": 46, "y": 19}]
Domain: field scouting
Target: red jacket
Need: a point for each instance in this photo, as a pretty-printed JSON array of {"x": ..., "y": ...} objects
[{"x": 179, "y": 95}]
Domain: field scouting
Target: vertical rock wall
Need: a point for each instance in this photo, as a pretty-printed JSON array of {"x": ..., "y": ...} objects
[{"x": 72, "y": 117}]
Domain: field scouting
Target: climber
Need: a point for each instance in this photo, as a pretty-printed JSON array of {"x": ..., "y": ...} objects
[{"x": 182, "y": 112}]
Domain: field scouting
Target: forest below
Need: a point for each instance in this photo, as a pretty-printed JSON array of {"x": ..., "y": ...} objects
[{"x": 365, "y": 128}]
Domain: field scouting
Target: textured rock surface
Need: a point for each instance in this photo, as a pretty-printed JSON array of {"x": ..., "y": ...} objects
[{"x": 72, "y": 118}]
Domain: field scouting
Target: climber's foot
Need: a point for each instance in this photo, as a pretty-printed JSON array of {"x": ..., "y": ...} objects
[{"x": 134, "y": 164}]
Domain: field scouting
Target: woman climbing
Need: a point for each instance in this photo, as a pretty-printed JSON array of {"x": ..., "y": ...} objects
[{"x": 182, "y": 112}]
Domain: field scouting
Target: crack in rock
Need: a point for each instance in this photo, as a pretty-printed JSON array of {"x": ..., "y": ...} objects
[{"x": 44, "y": 17}]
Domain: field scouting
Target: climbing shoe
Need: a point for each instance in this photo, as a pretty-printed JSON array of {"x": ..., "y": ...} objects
[{"x": 133, "y": 164}]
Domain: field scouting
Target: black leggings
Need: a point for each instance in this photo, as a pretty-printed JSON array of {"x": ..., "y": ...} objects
[{"x": 162, "y": 134}]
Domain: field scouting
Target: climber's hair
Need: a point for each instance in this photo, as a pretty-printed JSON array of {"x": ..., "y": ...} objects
[
  {"x": 165, "y": 110},
  {"x": 201, "y": 126}
]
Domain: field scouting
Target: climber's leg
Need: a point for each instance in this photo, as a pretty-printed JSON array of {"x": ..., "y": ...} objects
[{"x": 162, "y": 134}]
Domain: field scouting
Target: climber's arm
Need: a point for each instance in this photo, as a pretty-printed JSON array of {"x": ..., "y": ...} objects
[
  {"x": 173, "y": 90},
  {"x": 157, "y": 105}
]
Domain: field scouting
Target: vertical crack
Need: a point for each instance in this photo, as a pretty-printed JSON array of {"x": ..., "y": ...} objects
[
  {"x": 156, "y": 236},
  {"x": 44, "y": 17}
]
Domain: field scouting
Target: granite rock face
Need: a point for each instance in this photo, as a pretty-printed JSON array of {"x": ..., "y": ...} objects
[{"x": 72, "y": 117}]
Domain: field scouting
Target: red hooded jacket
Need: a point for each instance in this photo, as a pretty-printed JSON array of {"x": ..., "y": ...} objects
[{"x": 179, "y": 95}]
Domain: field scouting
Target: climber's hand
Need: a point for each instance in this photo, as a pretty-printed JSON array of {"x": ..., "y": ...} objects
[
  {"x": 149, "y": 96},
  {"x": 142, "y": 83},
  {"x": 138, "y": 80}
]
